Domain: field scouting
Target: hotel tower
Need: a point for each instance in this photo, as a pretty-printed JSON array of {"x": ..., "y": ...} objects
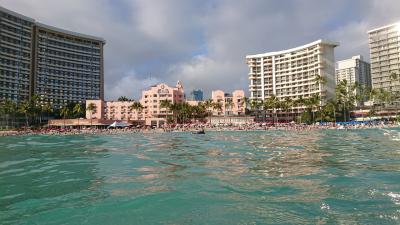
[
  {"x": 293, "y": 73},
  {"x": 384, "y": 45},
  {"x": 59, "y": 66}
]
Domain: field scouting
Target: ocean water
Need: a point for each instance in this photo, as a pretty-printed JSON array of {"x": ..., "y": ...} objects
[{"x": 260, "y": 177}]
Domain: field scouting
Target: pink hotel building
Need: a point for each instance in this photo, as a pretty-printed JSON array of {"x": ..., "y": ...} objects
[
  {"x": 152, "y": 114},
  {"x": 231, "y": 104}
]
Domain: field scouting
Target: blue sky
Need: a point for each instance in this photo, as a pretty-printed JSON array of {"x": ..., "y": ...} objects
[{"x": 204, "y": 43}]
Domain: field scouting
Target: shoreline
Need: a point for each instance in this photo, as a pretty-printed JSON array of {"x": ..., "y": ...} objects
[{"x": 290, "y": 128}]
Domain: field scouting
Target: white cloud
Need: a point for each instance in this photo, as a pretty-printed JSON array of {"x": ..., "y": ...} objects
[{"x": 128, "y": 86}]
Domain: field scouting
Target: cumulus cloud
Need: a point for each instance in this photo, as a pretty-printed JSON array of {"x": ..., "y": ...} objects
[{"x": 204, "y": 43}]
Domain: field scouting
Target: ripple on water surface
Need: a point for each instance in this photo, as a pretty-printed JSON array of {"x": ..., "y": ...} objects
[{"x": 265, "y": 177}]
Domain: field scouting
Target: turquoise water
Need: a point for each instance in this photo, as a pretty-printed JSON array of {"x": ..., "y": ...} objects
[{"x": 272, "y": 177}]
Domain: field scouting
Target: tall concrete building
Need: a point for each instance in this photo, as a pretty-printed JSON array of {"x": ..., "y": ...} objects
[
  {"x": 384, "y": 44},
  {"x": 58, "y": 65},
  {"x": 354, "y": 70},
  {"x": 294, "y": 72},
  {"x": 16, "y": 38}
]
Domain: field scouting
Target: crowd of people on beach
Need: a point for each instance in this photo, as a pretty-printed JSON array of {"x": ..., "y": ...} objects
[{"x": 203, "y": 127}]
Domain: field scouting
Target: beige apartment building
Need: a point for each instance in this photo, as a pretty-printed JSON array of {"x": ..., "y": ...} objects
[
  {"x": 231, "y": 103},
  {"x": 293, "y": 73},
  {"x": 384, "y": 45}
]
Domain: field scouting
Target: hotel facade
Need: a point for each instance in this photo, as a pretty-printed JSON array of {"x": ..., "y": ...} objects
[
  {"x": 152, "y": 113},
  {"x": 231, "y": 103},
  {"x": 384, "y": 45},
  {"x": 293, "y": 73},
  {"x": 354, "y": 70},
  {"x": 59, "y": 66}
]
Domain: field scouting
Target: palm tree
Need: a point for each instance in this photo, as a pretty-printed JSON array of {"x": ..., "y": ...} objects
[
  {"x": 287, "y": 104},
  {"x": 136, "y": 106},
  {"x": 229, "y": 105},
  {"x": 8, "y": 107},
  {"x": 360, "y": 94},
  {"x": 177, "y": 109},
  {"x": 393, "y": 78},
  {"x": 35, "y": 108},
  {"x": 25, "y": 108},
  {"x": 299, "y": 102},
  {"x": 208, "y": 105},
  {"x": 165, "y": 104},
  {"x": 217, "y": 106},
  {"x": 47, "y": 108},
  {"x": 315, "y": 101},
  {"x": 329, "y": 111},
  {"x": 91, "y": 107},
  {"x": 345, "y": 97},
  {"x": 320, "y": 80},
  {"x": 123, "y": 99},
  {"x": 244, "y": 102},
  {"x": 272, "y": 103},
  {"x": 77, "y": 110},
  {"x": 384, "y": 97},
  {"x": 64, "y": 113}
]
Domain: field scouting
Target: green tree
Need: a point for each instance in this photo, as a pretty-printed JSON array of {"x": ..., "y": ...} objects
[
  {"x": 244, "y": 102},
  {"x": 78, "y": 111},
  {"x": 208, "y": 104},
  {"x": 329, "y": 111},
  {"x": 64, "y": 113},
  {"x": 165, "y": 104},
  {"x": 345, "y": 97},
  {"x": 123, "y": 99},
  {"x": 47, "y": 108},
  {"x": 26, "y": 109},
  {"x": 91, "y": 107},
  {"x": 229, "y": 105},
  {"x": 136, "y": 106},
  {"x": 320, "y": 80},
  {"x": 272, "y": 103},
  {"x": 286, "y": 105},
  {"x": 9, "y": 108}
]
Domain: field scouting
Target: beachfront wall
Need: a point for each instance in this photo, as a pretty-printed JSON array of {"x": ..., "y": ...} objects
[
  {"x": 231, "y": 103},
  {"x": 234, "y": 120},
  {"x": 151, "y": 100},
  {"x": 87, "y": 122}
]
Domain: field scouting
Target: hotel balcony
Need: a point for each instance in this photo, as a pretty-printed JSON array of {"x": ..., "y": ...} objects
[{"x": 253, "y": 76}]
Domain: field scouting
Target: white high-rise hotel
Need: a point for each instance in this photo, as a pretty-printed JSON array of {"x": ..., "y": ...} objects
[
  {"x": 354, "y": 70},
  {"x": 293, "y": 73},
  {"x": 384, "y": 43}
]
